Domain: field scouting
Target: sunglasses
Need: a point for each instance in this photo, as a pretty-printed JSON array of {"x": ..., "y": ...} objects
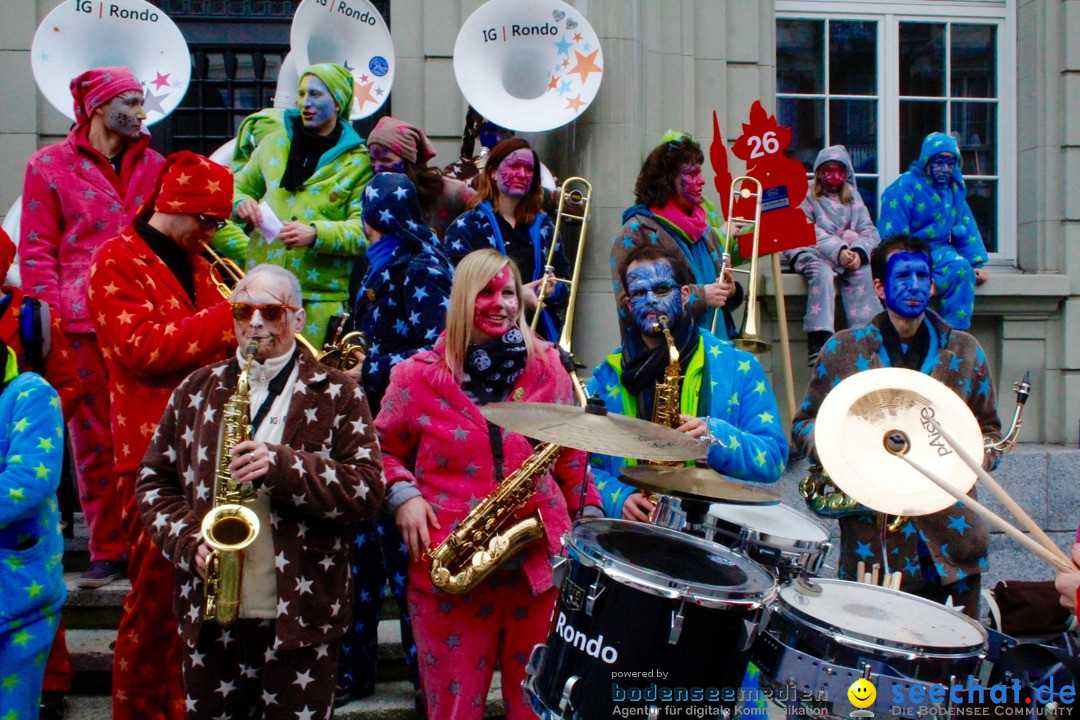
[
  {"x": 270, "y": 312},
  {"x": 208, "y": 221}
]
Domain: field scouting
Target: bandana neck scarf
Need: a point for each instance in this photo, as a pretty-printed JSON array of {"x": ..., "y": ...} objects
[
  {"x": 644, "y": 367},
  {"x": 494, "y": 366},
  {"x": 693, "y": 224},
  {"x": 304, "y": 153}
]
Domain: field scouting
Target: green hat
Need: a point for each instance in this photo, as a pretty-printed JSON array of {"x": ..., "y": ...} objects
[{"x": 338, "y": 81}]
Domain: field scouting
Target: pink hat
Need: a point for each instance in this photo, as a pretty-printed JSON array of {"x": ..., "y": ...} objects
[
  {"x": 404, "y": 139},
  {"x": 98, "y": 86}
]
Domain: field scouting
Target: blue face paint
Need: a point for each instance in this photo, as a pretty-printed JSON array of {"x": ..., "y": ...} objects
[
  {"x": 653, "y": 291},
  {"x": 317, "y": 105},
  {"x": 907, "y": 283},
  {"x": 940, "y": 169}
]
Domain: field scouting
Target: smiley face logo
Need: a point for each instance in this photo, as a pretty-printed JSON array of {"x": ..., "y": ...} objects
[{"x": 862, "y": 693}]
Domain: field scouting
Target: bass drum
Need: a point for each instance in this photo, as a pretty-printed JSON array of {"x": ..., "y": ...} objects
[
  {"x": 816, "y": 646},
  {"x": 649, "y": 622}
]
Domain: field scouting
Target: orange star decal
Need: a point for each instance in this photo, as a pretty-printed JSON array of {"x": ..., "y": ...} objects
[
  {"x": 577, "y": 37},
  {"x": 586, "y": 64},
  {"x": 111, "y": 288},
  {"x": 554, "y": 84},
  {"x": 363, "y": 93},
  {"x": 176, "y": 204},
  {"x": 574, "y": 103},
  {"x": 125, "y": 317},
  {"x": 183, "y": 179},
  {"x": 214, "y": 187},
  {"x": 193, "y": 348}
]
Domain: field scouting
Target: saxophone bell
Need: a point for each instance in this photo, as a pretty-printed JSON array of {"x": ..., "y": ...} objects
[{"x": 227, "y": 529}]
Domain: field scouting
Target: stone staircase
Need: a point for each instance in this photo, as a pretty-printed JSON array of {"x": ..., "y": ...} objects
[
  {"x": 92, "y": 616},
  {"x": 1045, "y": 480}
]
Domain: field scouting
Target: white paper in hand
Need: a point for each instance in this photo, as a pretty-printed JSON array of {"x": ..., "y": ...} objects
[{"x": 270, "y": 225}]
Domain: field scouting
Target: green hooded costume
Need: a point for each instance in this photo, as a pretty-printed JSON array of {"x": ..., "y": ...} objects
[{"x": 329, "y": 201}]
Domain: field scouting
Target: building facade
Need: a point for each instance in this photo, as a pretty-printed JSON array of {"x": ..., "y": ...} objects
[{"x": 875, "y": 75}]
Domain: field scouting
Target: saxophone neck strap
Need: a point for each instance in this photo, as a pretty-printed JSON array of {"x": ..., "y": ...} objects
[
  {"x": 272, "y": 391},
  {"x": 498, "y": 457}
]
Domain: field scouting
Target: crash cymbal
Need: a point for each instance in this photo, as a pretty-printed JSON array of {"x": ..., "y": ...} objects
[
  {"x": 870, "y": 417},
  {"x": 594, "y": 430},
  {"x": 696, "y": 483}
]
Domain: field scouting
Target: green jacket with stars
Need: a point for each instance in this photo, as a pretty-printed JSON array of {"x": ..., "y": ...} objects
[
  {"x": 330, "y": 200},
  {"x": 955, "y": 538},
  {"x": 31, "y": 452},
  {"x": 739, "y": 403}
]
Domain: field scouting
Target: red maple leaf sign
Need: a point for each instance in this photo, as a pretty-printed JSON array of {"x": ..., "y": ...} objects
[{"x": 783, "y": 183}]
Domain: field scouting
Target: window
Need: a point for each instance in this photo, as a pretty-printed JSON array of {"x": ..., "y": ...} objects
[{"x": 878, "y": 76}]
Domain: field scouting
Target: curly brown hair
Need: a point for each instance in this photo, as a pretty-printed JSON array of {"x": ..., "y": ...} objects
[{"x": 658, "y": 181}]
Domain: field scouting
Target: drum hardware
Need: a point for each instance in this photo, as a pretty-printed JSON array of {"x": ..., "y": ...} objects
[
  {"x": 595, "y": 591},
  {"x": 677, "y": 619},
  {"x": 568, "y": 689},
  {"x": 594, "y": 430}
]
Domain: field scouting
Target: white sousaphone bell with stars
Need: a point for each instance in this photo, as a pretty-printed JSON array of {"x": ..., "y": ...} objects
[{"x": 528, "y": 65}]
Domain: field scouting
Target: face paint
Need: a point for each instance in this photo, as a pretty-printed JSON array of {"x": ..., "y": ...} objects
[
  {"x": 317, "y": 105},
  {"x": 515, "y": 174},
  {"x": 383, "y": 159},
  {"x": 940, "y": 168},
  {"x": 690, "y": 184},
  {"x": 124, "y": 114},
  {"x": 907, "y": 283},
  {"x": 495, "y": 309},
  {"x": 833, "y": 176},
  {"x": 274, "y": 338},
  {"x": 652, "y": 291}
]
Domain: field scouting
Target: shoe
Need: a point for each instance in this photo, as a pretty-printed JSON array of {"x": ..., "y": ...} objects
[
  {"x": 101, "y": 573},
  {"x": 53, "y": 705}
]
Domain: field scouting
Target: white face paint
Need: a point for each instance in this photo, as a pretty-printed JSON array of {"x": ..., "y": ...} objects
[
  {"x": 123, "y": 115},
  {"x": 317, "y": 105}
]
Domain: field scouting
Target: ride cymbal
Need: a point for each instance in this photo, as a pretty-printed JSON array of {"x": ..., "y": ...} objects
[
  {"x": 873, "y": 416},
  {"x": 696, "y": 483},
  {"x": 594, "y": 431}
]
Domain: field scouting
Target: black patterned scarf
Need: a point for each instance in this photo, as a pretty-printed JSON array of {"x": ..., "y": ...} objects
[{"x": 494, "y": 366}]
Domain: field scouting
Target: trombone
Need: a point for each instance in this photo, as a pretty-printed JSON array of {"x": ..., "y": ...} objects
[
  {"x": 227, "y": 268},
  {"x": 748, "y": 337},
  {"x": 577, "y": 190}
]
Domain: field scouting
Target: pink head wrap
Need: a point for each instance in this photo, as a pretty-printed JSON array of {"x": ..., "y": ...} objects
[
  {"x": 98, "y": 86},
  {"x": 404, "y": 139}
]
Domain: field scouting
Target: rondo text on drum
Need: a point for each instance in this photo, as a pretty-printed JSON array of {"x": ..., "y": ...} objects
[{"x": 593, "y": 647}]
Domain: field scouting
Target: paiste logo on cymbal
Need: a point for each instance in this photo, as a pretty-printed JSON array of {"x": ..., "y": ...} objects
[{"x": 862, "y": 693}]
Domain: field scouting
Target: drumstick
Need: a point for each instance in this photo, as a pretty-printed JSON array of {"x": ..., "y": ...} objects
[
  {"x": 1003, "y": 496},
  {"x": 994, "y": 519},
  {"x": 895, "y": 585},
  {"x": 874, "y": 573},
  {"x": 860, "y": 570}
]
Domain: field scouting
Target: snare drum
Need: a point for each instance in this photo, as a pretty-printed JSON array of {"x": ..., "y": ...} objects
[
  {"x": 776, "y": 536},
  {"x": 646, "y": 618},
  {"x": 818, "y": 645}
]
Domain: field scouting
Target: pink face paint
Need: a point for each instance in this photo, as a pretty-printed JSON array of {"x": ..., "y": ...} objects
[
  {"x": 496, "y": 306},
  {"x": 690, "y": 184},
  {"x": 383, "y": 159},
  {"x": 515, "y": 174},
  {"x": 833, "y": 176}
]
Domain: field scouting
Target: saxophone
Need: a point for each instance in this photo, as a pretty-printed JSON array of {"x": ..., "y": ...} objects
[
  {"x": 491, "y": 534},
  {"x": 229, "y": 527},
  {"x": 667, "y": 407}
]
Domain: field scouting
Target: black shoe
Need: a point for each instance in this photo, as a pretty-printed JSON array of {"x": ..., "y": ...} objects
[
  {"x": 814, "y": 342},
  {"x": 53, "y": 705},
  {"x": 101, "y": 573}
]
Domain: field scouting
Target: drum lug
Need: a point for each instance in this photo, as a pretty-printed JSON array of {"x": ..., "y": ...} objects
[
  {"x": 536, "y": 658},
  {"x": 595, "y": 591},
  {"x": 568, "y": 689},
  {"x": 676, "y": 625},
  {"x": 752, "y": 627}
]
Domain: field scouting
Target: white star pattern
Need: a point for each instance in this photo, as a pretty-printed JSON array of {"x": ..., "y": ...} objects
[
  {"x": 195, "y": 400},
  {"x": 303, "y": 679},
  {"x": 304, "y": 586},
  {"x": 279, "y": 561},
  {"x": 225, "y": 688},
  {"x": 359, "y": 426},
  {"x": 333, "y": 389},
  {"x": 310, "y": 414},
  {"x": 282, "y": 608}
]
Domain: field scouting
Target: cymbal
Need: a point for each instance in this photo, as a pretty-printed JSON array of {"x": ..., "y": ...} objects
[
  {"x": 604, "y": 433},
  {"x": 696, "y": 483},
  {"x": 870, "y": 417}
]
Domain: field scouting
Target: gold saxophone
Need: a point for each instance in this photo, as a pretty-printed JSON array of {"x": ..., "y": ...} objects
[
  {"x": 491, "y": 534},
  {"x": 666, "y": 403},
  {"x": 824, "y": 498},
  {"x": 230, "y": 527}
]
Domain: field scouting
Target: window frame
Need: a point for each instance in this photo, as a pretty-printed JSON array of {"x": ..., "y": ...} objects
[{"x": 889, "y": 14}]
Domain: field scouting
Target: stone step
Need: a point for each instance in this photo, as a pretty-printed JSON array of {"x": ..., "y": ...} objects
[
  {"x": 91, "y": 652},
  {"x": 391, "y": 701}
]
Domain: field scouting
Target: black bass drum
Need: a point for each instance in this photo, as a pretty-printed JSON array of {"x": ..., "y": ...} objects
[{"x": 647, "y": 619}]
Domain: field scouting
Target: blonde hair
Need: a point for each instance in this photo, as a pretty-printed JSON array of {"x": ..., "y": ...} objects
[{"x": 470, "y": 276}]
